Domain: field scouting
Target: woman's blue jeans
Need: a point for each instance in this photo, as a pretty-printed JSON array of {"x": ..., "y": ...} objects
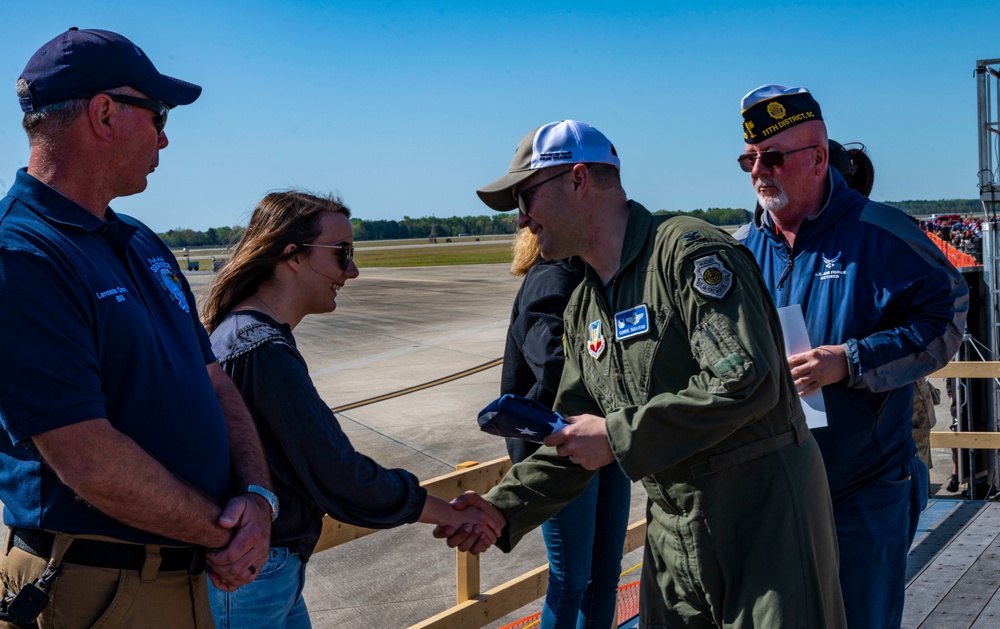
[
  {"x": 584, "y": 543},
  {"x": 272, "y": 601}
]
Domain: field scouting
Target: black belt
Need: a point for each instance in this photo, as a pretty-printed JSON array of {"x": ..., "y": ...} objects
[{"x": 99, "y": 554}]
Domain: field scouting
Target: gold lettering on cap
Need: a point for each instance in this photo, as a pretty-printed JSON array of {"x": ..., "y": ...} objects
[{"x": 797, "y": 118}]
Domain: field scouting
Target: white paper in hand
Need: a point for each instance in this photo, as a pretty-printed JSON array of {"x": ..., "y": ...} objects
[{"x": 793, "y": 328}]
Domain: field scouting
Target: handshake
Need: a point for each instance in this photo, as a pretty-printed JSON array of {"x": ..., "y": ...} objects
[{"x": 468, "y": 523}]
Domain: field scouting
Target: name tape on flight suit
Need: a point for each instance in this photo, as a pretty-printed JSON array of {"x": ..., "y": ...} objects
[{"x": 631, "y": 322}]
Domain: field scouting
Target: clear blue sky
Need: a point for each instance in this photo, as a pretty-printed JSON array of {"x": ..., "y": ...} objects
[{"x": 405, "y": 108}]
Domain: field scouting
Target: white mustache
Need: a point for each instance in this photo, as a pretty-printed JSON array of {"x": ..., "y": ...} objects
[{"x": 766, "y": 181}]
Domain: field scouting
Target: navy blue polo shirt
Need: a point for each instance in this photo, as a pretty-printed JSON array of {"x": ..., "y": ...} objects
[{"x": 98, "y": 322}]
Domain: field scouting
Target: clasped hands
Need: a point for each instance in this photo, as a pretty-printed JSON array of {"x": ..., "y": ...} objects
[
  {"x": 472, "y": 524},
  {"x": 249, "y": 519},
  {"x": 584, "y": 442}
]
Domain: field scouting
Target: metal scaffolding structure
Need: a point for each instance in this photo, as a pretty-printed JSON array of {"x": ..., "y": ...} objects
[
  {"x": 984, "y": 316},
  {"x": 988, "y": 98}
]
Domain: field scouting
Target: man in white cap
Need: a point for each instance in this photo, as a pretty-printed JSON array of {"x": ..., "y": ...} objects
[
  {"x": 123, "y": 438},
  {"x": 883, "y": 308},
  {"x": 674, "y": 370}
]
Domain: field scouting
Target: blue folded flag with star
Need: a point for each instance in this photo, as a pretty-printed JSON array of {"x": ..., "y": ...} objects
[{"x": 516, "y": 416}]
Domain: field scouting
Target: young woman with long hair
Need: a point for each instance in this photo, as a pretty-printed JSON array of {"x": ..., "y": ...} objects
[{"x": 296, "y": 255}]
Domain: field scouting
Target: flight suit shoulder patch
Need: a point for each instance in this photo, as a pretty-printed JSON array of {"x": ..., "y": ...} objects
[{"x": 711, "y": 277}]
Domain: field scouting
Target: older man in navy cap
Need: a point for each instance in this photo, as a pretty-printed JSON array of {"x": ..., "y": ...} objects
[
  {"x": 124, "y": 438},
  {"x": 674, "y": 372},
  {"x": 883, "y": 308}
]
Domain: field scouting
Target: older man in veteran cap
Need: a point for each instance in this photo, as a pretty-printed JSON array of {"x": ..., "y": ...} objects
[
  {"x": 883, "y": 307},
  {"x": 675, "y": 370},
  {"x": 123, "y": 438}
]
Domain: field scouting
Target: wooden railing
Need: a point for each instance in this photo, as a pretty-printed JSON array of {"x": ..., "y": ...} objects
[
  {"x": 968, "y": 440},
  {"x": 475, "y": 609}
]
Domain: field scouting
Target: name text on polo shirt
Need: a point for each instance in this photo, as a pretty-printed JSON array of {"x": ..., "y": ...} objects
[{"x": 118, "y": 293}]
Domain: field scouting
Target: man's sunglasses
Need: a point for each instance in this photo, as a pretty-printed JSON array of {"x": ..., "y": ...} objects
[
  {"x": 160, "y": 109},
  {"x": 521, "y": 195},
  {"x": 770, "y": 159},
  {"x": 346, "y": 253}
]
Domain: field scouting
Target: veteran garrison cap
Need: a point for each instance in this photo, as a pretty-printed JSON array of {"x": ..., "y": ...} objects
[
  {"x": 552, "y": 144},
  {"x": 87, "y": 61},
  {"x": 771, "y": 109}
]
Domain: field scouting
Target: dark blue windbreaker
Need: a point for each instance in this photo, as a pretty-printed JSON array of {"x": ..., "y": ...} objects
[{"x": 868, "y": 279}]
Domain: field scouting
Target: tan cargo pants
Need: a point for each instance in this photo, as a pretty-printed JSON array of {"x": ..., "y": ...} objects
[{"x": 84, "y": 597}]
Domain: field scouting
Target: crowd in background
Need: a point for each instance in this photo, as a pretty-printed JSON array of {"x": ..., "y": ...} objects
[{"x": 964, "y": 233}]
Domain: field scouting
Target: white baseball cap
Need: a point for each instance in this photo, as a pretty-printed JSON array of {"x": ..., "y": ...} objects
[{"x": 553, "y": 144}]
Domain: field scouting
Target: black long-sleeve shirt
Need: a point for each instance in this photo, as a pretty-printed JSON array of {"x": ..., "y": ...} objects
[
  {"x": 314, "y": 467},
  {"x": 533, "y": 356}
]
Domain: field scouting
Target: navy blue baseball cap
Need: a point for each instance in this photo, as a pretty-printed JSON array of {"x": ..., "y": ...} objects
[{"x": 90, "y": 60}]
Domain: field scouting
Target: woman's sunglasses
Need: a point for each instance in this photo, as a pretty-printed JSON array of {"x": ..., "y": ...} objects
[{"x": 346, "y": 253}]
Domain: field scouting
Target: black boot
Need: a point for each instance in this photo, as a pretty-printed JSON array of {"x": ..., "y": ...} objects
[{"x": 952, "y": 484}]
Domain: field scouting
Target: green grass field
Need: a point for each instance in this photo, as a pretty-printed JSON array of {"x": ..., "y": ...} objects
[
  {"x": 403, "y": 253},
  {"x": 434, "y": 255},
  {"x": 397, "y": 253}
]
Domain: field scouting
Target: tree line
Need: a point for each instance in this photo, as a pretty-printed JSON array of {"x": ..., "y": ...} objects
[
  {"x": 945, "y": 206},
  {"x": 211, "y": 237},
  {"x": 506, "y": 223}
]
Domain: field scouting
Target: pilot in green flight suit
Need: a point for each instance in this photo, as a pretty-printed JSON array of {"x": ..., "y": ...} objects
[{"x": 675, "y": 368}]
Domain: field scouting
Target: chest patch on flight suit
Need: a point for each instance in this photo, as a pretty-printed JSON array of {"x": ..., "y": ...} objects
[
  {"x": 631, "y": 322},
  {"x": 596, "y": 344},
  {"x": 711, "y": 277}
]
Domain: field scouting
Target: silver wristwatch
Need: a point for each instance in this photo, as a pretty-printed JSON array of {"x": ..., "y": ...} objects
[{"x": 266, "y": 495}]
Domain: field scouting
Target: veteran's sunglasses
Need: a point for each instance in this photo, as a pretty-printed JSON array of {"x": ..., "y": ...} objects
[
  {"x": 346, "y": 253},
  {"x": 160, "y": 109},
  {"x": 770, "y": 159}
]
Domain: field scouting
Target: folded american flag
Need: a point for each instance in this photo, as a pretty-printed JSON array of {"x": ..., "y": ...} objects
[{"x": 515, "y": 416}]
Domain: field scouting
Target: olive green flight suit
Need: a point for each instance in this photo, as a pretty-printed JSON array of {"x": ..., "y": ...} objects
[{"x": 702, "y": 409}]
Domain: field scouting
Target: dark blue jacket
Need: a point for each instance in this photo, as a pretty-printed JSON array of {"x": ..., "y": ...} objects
[
  {"x": 98, "y": 323},
  {"x": 867, "y": 278}
]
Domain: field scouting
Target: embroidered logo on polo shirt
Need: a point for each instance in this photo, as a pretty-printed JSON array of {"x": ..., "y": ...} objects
[{"x": 169, "y": 281}]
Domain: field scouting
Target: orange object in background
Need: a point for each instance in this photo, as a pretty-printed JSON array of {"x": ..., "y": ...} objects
[
  {"x": 956, "y": 257},
  {"x": 628, "y": 608}
]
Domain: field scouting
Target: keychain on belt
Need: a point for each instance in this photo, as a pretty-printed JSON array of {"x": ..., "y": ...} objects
[{"x": 23, "y": 608}]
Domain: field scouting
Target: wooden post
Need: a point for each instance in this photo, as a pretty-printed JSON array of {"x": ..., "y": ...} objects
[
  {"x": 466, "y": 564},
  {"x": 466, "y": 576}
]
